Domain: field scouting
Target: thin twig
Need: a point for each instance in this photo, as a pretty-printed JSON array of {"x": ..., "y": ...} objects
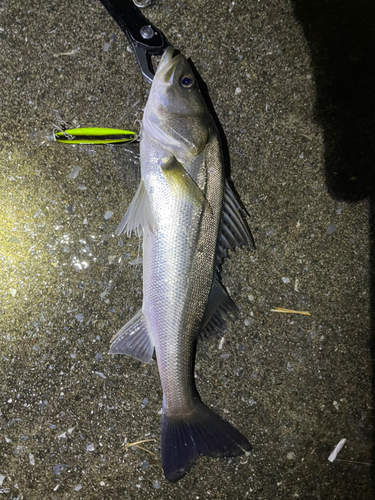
[
  {"x": 127, "y": 445},
  {"x": 289, "y": 311},
  {"x": 352, "y": 461}
]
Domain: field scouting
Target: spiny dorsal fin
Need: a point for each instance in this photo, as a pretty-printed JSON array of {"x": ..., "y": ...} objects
[
  {"x": 138, "y": 217},
  {"x": 234, "y": 231},
  {"x": 133, "y": 340}
]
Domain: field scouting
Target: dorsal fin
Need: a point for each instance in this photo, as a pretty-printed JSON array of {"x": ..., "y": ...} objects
[
  {"x": 234, "y": 230},
  {"x": 220, "y": 307}
]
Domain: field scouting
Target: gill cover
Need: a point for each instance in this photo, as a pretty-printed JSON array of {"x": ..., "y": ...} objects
[{"x": 176, "y": 114}]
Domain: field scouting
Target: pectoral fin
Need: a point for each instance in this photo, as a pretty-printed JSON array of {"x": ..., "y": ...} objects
[{"x": 182, "y": 184}]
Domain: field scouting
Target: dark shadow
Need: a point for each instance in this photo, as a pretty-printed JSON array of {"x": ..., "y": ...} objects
[
  {"x": 341, "y": 37},
  {"x": 224, "y": 143},
  {"x": 204, "y": 90}
]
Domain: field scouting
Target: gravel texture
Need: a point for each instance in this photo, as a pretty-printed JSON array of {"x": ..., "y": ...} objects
[{"x": 294, "y": 385}]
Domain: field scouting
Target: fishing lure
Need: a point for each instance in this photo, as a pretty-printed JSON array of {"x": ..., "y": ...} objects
[{"x": 95, "y": 135}]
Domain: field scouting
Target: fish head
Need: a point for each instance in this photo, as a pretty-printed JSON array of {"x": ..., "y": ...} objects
[{"x": 176, "y": 114}]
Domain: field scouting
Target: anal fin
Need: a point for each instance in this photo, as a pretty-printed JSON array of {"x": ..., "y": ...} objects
[{"x": 133, "y": 340}]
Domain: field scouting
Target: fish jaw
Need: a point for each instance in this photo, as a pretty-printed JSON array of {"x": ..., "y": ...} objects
[{"x": 176, "y": 115}]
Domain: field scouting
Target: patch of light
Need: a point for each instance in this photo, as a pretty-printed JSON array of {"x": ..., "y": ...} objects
[{"x": 79, "y": 265}]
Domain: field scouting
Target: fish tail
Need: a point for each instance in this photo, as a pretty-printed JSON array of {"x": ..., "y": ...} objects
[{"x": 202, "y": 432}]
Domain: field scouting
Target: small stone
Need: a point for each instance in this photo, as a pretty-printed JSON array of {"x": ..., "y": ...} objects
[
  {"x": 285, "y": 280},
  {"x": 108, "y": 215},
  {"x": 12, "y": 291},
  {"x": 237, "y": 91},
  {"x": 18, "y": 450},
  {"x": 290, "y": 455},
  {"x": 74, "y": 173},
  {"x": 90, "y": 447},
  {"x": 156, "y": 485},
  {"x": 246, "y": 322},
  {"x": 78, "y": 487},
  {"x": 331, "y": 229},
  {"x": 57, "y": 469}
]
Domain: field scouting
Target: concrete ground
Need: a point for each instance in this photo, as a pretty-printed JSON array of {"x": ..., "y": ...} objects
[{"x": 294, "y": 385}]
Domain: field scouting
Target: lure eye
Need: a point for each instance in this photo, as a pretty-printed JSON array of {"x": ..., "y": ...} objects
[{"x": 186, "y": 82}]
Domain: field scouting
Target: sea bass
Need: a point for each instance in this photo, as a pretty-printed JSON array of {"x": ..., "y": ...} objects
[{"x": 189, "y": 218}]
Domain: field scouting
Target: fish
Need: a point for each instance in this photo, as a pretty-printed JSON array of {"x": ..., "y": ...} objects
[{"x": 189, "y": 218}]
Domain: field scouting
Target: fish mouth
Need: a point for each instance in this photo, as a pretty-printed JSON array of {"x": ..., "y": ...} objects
[{"x": 168, "y": 65}]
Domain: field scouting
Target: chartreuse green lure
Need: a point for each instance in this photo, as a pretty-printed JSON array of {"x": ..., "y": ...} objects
[{"x": 95, "y": 135}]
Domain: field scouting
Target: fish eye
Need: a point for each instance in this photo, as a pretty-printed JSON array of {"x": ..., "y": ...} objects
[{"x": 187, "y": 82}]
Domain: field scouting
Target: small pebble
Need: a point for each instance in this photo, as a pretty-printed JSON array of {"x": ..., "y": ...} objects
[
  {"x": 57, "y": 469},
  {"x": 331, "y": 229},
  {"x": 108, "y": 215},
  {"x": 74, "y": 173},
  {"x": 246, "y": 322},
  {"x": 90, "y": 447},
  {"x": 285, "y": 280},
  {"x": 156, "y": 485}
]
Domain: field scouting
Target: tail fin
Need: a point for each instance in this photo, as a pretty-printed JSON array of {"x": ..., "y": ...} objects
[{"x": 201, "y": 433}]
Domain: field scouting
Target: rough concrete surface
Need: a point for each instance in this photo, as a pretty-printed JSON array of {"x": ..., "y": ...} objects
[{"x": 294, "y": 385}]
